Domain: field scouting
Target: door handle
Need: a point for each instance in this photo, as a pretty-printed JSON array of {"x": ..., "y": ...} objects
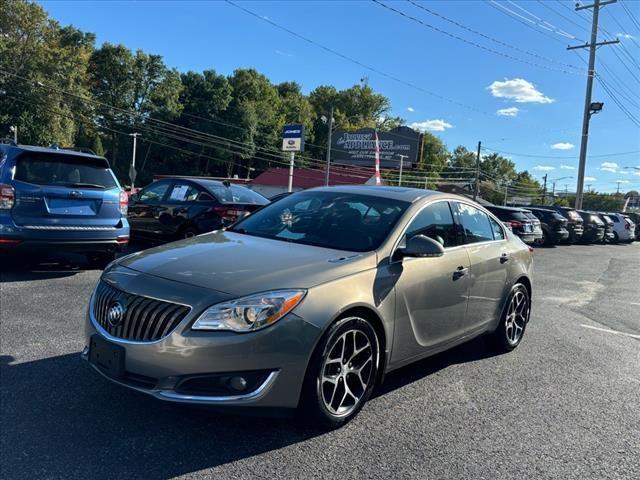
[
  {"x": 504, "y": 258},
  {"x": 460, "y": 272}
]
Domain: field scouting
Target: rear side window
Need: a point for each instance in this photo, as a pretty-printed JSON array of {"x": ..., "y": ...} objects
[
  {"x": 614, "y": 218},
  {"x": 154, "y": 192},
  {"x": 475, "y": 224},
  {"x": 436, "y": 222},
  {"x": 69, "y": 171},
  {"x": 498, "y": 232},
  {"x": 183, "y": 192}
]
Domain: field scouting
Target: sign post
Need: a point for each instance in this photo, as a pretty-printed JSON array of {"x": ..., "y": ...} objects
[{"x": 292, "y": 142}]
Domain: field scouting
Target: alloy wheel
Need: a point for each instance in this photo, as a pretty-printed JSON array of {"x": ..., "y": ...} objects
[
  {"x": 516, "y": 317},
  {"x": 346, "y": 372}
]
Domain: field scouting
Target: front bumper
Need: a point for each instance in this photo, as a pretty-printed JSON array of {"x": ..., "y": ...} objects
[{"x": 159, "y": 368}]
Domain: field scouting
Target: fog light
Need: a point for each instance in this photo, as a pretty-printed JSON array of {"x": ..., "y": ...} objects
[{"x": 238, "y": 383}]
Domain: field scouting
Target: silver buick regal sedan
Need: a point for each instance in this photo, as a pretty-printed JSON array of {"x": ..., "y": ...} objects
[{"x": 308, "y": 302}]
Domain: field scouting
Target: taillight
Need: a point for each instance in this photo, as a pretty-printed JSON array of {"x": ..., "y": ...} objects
[
  {"x": 515, "y": 224},
  {"x": 7, "y": 196},
  {"x": 229, "y": 215},
  {"x": 124, "y": 202},
  {"x": 627, "y": 226}
]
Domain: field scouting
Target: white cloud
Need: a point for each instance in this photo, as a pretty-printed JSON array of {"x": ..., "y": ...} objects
[
  {"x": 626, "y": 36},
  {"x": 411, "y": 109},
  {"x": 431, "y": 125},
  {"x": 283, "y": 54},
  {"x": 609, "y": 167},
  {"x": 544, "y": 168},
  {"x": 518, "y": 89},
  {"x": 508, "y": 112},
  {"x": 562, "y": 146},
  {"x": 590, "y": 179},
  {"x": 567, "y": 167},
  {"x": 637, "y": 173},
  {"x": 622, "y": 181}
]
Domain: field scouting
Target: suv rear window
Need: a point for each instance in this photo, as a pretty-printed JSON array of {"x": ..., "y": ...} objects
[
  {"x": 69, "y": 171},
  {"x": 237, "y": 194}
]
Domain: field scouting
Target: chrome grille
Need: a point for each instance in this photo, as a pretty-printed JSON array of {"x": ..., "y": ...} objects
[{"x": 144, "y": 319}]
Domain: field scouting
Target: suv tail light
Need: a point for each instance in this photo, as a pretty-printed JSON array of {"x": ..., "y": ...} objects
[
  {"x": 515, "y": 224},
  {"x": 7, "y": 196},
  {"x": 124, "y": 202},
  {"x": 627, "y": 226}
]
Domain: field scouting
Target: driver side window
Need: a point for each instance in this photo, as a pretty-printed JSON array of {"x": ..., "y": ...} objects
[{"x": 436, "y": 222}]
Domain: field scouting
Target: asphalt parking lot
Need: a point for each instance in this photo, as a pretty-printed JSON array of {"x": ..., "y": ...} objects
[{"x": 565, "y": 404}]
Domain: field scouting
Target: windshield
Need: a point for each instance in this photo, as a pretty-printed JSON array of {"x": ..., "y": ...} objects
[
  {"x": 336, "y": 220},
  {"x": 69, "y": 171}
]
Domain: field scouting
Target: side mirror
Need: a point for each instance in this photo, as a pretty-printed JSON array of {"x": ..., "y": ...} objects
[{"x": 422, "y": 246}]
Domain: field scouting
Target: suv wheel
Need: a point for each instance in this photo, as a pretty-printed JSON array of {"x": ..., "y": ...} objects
[{"x": 342, "y": 373}]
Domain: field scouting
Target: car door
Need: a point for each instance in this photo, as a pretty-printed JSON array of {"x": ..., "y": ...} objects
[
  {"x": 144, "y": 208},
  {"x": 485, "y": 242},
  {"x": 181, "y": 208},
  {"x": 431, "y": 293}
]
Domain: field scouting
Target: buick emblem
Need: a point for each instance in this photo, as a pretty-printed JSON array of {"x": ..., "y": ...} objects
[{"x": 115, "y": 314}]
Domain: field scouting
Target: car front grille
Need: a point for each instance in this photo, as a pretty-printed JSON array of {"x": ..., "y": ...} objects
[{"x": 133, "y": 317}]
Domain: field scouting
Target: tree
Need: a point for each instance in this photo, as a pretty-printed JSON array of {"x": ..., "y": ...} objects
[{"x": 43, "y": 67}]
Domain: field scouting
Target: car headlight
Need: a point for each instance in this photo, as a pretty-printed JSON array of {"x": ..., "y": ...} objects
[{"x": 249, "y": 313}]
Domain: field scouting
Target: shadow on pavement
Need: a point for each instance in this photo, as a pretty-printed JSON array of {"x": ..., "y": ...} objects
[{"x": 61, "y": 419}]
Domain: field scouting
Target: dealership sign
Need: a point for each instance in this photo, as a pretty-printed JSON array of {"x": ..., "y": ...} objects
[
  {"x": 293, "y": 138},
  {"x": 359, "y": 148}
]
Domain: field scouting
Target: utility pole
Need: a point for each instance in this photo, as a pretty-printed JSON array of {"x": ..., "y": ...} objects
[
  {"x": 293, "y": 156},
  {"x": 132, "y": 168},
  {"x": 330, "y": 124},
  {"x": 14, "y": 129},
  {"x": 589, "y": 108},
  {"x": 476, "y": 187},
  {"x": 618, "y": 190},
  {"x": 402, "y": 157},
  {"x": 589, "y": 187},
  {"x": 506, "y": 192},
  {"x": 566, "y": 190},
  {"x": 544, "y": 189}
]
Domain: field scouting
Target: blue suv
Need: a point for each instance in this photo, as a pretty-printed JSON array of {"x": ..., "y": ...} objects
[{"x": 55, "y": 199}]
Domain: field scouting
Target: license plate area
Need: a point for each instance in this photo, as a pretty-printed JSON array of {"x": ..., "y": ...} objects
[{"x": 107, "y": 356}]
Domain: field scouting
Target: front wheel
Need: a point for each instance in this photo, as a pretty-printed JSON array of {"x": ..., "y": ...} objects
[
  {"x": 513, "y": 322},
  {"x": 342, "y": 373}
]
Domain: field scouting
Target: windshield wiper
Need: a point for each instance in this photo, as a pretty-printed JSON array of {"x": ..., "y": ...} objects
[{"x": 85, "y": 185}]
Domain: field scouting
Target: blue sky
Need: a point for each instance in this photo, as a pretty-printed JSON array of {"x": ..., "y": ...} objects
[{"x": 516, "y": 102}]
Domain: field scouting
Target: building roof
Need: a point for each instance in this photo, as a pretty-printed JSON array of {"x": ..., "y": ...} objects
[{"x": 309, "y": 178}]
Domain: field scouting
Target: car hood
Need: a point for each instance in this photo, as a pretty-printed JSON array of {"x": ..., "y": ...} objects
[{"x": 240, "y": 264}]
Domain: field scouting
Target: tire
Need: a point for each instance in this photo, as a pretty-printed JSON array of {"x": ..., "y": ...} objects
[
  {"x": 189, "y": 232},
  {"x": 344, "y": 366},
  {"x": 510, "y": 330},
  {"x": 616, "y": 238},
  {"x": 100, "y": 260}
]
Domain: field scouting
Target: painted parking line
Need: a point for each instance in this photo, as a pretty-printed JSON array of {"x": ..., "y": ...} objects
[{"x": 608, "y": 330}]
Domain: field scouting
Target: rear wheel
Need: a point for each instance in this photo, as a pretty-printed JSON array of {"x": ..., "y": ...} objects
[
  {"x": 189, "y": 232},
  {"x": 514, "y": 319},
  {"x": 341, "y": 374},
  {"x": 616, "y": 238}
]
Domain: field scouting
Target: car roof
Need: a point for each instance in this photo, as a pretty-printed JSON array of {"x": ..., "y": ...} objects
[
  {"x": 59, "y": 151},
  {"x": 506, "y": 209},
  {"x": 406, "y": 194}
]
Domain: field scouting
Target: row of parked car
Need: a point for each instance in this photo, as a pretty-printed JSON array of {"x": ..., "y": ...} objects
[
  {"x": 551, "y": 225},
  {"x": 60, "y": 199}
]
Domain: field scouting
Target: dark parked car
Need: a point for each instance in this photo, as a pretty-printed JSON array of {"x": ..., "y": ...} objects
[
  {"x": 609, "y": 228},
  {"x": 593, "y": 227},
  {"x": 174, "y": 208},
  {"x": 54, "y": 199},
  {"x": 575, "y": 223},
  {"x": 538, "y": 235},
  {"x": 554, "y": 225},
  {"x": 520, "y": 224}
]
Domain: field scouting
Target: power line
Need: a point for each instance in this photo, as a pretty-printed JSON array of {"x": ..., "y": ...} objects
[
  {"x": 495, "y": 40},
  {"x": 630, "y": 14},
  {"x": 546, "y": 25},
  {"x": 355, "y": 61},
  {"x": 469, "y": 42},
  {"x": 559, "y": 157}
]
